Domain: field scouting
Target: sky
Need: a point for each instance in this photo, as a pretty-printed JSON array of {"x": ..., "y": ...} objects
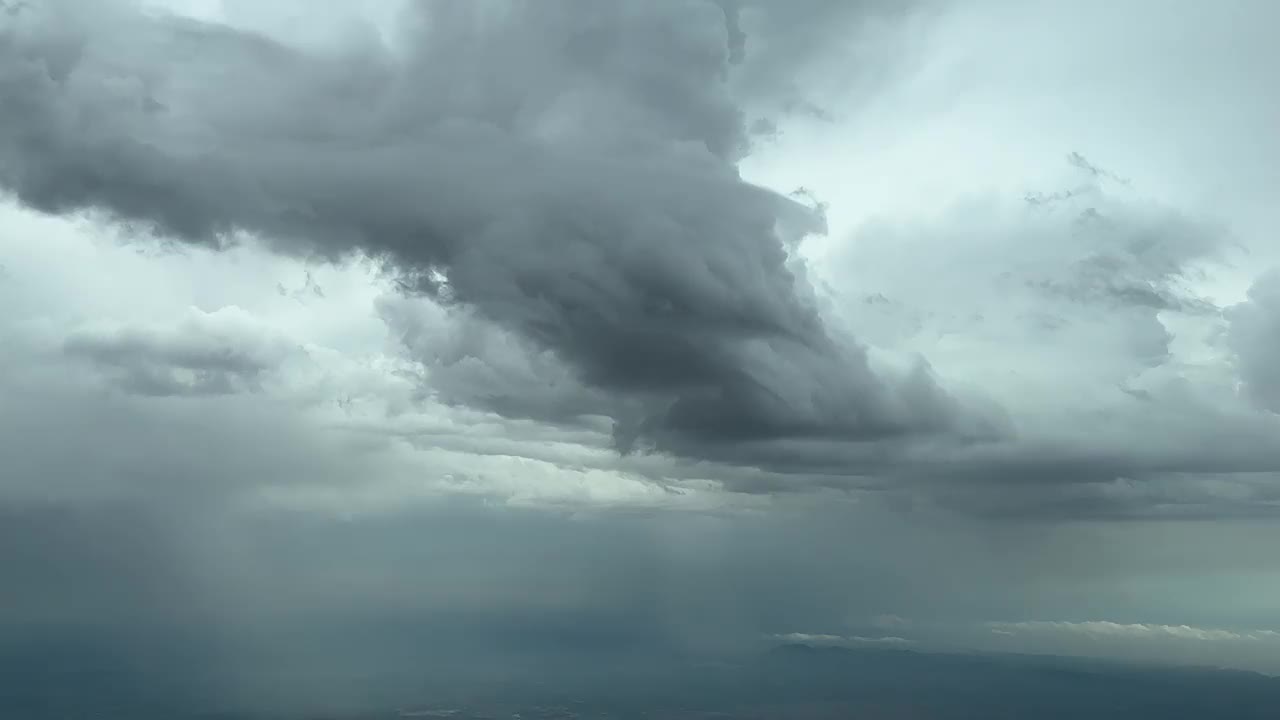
[{"x": 701, "y": 325}]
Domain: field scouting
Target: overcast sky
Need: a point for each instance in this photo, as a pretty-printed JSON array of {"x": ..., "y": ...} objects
[{"x": 949, "y": 325}]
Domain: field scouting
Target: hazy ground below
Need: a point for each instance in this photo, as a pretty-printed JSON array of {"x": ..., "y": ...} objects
[{"x": 786, "y": 682}]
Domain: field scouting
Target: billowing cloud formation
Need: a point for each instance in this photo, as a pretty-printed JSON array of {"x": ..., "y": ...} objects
[
  {"x": 564, "y": 170},
  {"x": 563, "y": 179},
  {"x": 321, "y": 341}
]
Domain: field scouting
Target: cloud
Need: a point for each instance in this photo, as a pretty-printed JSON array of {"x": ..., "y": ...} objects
[
  {"x": 1142, "y": 642},
  {"x": 1003, "y": 292},
  {"x": 208, "y": 354},
  {"x": 784, "y": 53},
  {"x": 890, "y": 621},
  {"x": 578, "y": 249},
  {"x": 1093, "y": 263},
  {"x": 1102, "y": 628},
  {"x": 1254, "y": 336},
  {"x": 1000, "y": 294},
  {"x": 576, "y": 189},
  {"x": 839, "y": 640},
  {"x": 321, "y": 342},
  {"x": 582, "y": 255}
]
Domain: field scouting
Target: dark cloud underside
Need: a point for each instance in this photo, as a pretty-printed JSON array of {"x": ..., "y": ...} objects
[{"x": 563, "y": 169}]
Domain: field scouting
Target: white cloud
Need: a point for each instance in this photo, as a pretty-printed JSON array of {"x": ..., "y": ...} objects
[
  {"x": 1133, "y": 631},
  {"x": 839, "y": 640}
]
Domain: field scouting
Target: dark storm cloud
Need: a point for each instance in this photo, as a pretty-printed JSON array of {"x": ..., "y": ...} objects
[
  {"x": 564, "y": 169},
  {"x": 474, "y": 362},
  {"x": 560, "y": 176}
]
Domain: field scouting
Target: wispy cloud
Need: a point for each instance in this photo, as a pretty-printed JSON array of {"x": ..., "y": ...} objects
[
  {"x": 839, "y": 640},
  {"x": 1107, "y": 629}
]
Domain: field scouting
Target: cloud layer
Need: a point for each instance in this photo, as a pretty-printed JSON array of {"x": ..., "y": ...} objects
[
  {"x": 575, "y": 187},
  {"x": 691, "y": 325}
]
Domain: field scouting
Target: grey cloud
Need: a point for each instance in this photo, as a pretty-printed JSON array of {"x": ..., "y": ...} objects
[
  {"x": 309, "y": 289},
  {"x": 468, "y": 360},
  {"x": 564, "y": 169},
  {"x": 736, "y": 38},
  {"x": 780, "y": 47},
  {"x": 1254, "y": 337},
  {"x": 267, "y": 602},
  {"x": 1099, "y": 258},
  {"x": 1123, "y": 250},
  {"x": 572, "y": 201},
  {"x": 210, "y": 354},
  {"x": 1107, "y": 422},
  {"x": 1081, "y": 162},
  {"x": 66, "y": 441},
  {"x": 584, "y": 273}
]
